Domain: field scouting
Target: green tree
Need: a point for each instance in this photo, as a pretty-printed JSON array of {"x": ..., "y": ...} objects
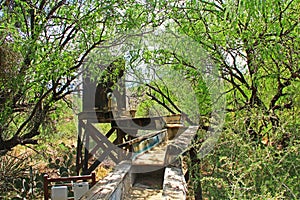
[
  {"x": 43, "y": 46},
  {"x": 255, "y": 45}
]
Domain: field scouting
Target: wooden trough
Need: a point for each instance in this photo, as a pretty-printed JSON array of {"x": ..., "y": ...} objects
[{"x": 119, "y": 183}]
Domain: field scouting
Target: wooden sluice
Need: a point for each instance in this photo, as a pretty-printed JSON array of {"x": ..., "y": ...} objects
[{"x": 154, "y": 172}]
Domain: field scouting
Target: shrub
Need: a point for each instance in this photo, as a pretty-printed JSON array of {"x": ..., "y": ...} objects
[{"x": 241, "y": 168}]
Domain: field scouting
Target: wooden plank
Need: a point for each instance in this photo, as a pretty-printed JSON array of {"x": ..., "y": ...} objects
[
  {"x": 101, "y": 140},
  {"x": 107, "y": 186},
  {"x": 79, "y": 147},
  {"x": 174, "y": 185},
  {"x": 96, "y": 132},
  {"x": 96, "y": 163},
  {"x": 180, "y": 144},
  {"x": 167, "y": 153},
  {"x": 143, "y": 137},
  {"x": 86, "y": 152},
  {"x": 144, "y": 123},
  {"x": 144, "y": 193},
  {"x": 110, "y": 132},
  {"x": 95, "y": 149},
  {"x": 96, "y": 116}
]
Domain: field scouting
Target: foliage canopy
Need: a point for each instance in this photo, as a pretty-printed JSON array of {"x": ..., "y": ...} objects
[{"x": 254, "y": 45}]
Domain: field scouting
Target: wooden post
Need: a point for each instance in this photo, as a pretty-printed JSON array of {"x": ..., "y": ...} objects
[
  {"x": 120, "y": 137},
  {"x": 86, "y": 151},
  {"x": 46, "y": 192},
  {"x": 79, "y": 148},
  {"x": 93, "y": 178}
]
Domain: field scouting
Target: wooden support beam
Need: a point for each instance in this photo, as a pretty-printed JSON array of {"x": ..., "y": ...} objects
[
  {"x": 143, "y": 137},
  {"x": 106, "y": 146},
  {"x": 110, "y": 132},
  {"x": 86, "y": 151},
  {"x": 79, "y": 147},
  {"x": 146, "y": 123}
]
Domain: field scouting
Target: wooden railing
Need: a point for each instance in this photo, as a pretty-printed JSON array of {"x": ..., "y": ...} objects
[
  {"x": 145, "y": 142},
  {"x": 114, "y": 186},
  {"x": 65, "y": 181}
]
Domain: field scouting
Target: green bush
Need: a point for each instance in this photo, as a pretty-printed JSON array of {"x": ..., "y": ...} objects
[
  {"x": 17, "y": 178},
  {"x": 64, "y": 164},
  {"x": 240, "y": 168}
]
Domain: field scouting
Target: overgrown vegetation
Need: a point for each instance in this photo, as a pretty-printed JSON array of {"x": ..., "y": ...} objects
[
  {"x": 241, "y": 167},
  {"x": 22, "y": 174},
  {"x": 22, "y": 170},
  {"x": 254, "y": 46}
]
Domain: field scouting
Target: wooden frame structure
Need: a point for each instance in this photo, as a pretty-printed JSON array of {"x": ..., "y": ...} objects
[
  {"x": 125, "y": 129},
  {"x": 93, "y": 146},
  {"x": 48, "y": 181},
  {"x": 87, "y": 134},
  {"x": 97, "y": 107}
]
